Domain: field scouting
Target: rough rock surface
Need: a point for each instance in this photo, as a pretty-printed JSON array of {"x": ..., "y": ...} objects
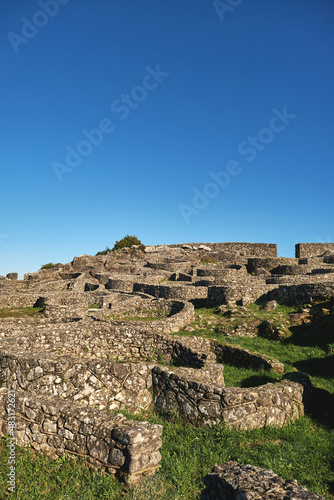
[
  {"x": 111, "y": 442},
  {"x": 232, "y": 481},
  {"x": 208, "y": 404}
]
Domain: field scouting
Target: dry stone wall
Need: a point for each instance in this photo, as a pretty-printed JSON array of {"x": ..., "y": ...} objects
[
  {"x": 259, "y": 249},
  {"x": 177, "y": 292},
  {"x": 209, "y": 404},
  {"x": 18, "y": 299},
  {"x": 232, "y": 481},
  {"x": 178, "y": 314},
  {"x": 120, "y": 285},
  {"x": 251, "y": 289},
  {"x": 238, "y": 356},
  {"x": 101, "y": 340},
  {"x": 102, "y": 384},
  {"x": 12, "y": 276},
  {"x": 312, "y": 249},
  {"x": 305, "y": 293},
  {"x": 255, "y": 264},
  {"x": 325, "y": 275},
  {"x": 64, "y": 305},
  {"x": 111, "y": 442}
]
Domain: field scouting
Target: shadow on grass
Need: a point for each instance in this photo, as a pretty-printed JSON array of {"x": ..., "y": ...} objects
[
  {"x": 199, "y": 303},
  {"x": 256, "y": 380},
  {"x": 320, "y": 407},
  {"x": 319, "y": 332},
  {"x": 322, "y": 367}
]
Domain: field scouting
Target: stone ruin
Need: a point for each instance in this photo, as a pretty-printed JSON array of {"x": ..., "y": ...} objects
[
  {"x": 232, "y": 481},
  {"x": 106, "y": 342}
]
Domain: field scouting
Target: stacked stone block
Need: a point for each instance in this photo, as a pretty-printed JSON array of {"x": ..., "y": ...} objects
[
  {"x": 111, "y": 442},
  {"x": 232, "y": 481}
]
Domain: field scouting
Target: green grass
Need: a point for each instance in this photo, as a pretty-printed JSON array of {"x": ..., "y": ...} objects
[
  {"x": 20, "y": 312},
  {"x": 307, "y": 348},
  {"x": 248, "y": 377},
  {"x": 301, "y": 451},
  {"x": 208, "y": 260}
]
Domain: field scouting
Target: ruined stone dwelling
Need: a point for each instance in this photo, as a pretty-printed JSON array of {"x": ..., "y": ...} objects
[{"x": 109, "y": 339}]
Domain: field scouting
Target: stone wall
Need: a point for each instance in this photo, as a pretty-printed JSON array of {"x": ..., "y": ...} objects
[
  {"x": 223, "y": 274},
  {"x": 111, "y": 442},
  {"x": 256, "y": 264},
  {"x": 12, "y": 276},
  {"x": 238, "y": 356},
  {"x": 184, "y": 314},
  {"x": 18, "y": 299},
  {"x": 102, "y": 340},
  {"x": 102, "y": 384},
  {"x": 199, "y": 394},
  {"x": 291, "y": 270},
  {"x": 252, "y": 289},
  {"x": 120, "y": 284},
  {"x": 172, "y": 291},
  {"x": 209, "y": 404},
  {"x": 256, "y": 249},
  {"x": 44, "y": 274},
  {"x": 312, "y": 249},
  {"x": 231, "y": 481},
  {"x": 178, "y": 314},
  {"x": 64, "y": 305},
  {"x": 138, "y": 304},
  {"x": 305, "y": 293},
  {"x": 301, "y": 280},
  {"x": 179, "y": 265}
]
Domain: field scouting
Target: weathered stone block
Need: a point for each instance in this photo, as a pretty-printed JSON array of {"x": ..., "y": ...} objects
[{"x": 231, "y": 481}]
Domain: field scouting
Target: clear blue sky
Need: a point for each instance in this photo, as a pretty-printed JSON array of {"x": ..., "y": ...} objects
[{"x": 216, "y": 119}]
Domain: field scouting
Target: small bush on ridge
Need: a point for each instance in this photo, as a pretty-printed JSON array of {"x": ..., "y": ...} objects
[
  {"x": 50, "y": 265},
  {"x": 128, "y": 241}
]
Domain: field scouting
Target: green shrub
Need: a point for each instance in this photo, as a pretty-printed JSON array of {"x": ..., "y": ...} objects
[
  {"x": 50, "y": 265},
  {"x": 128, "y": 241},
  {"x": 104, "y": 252}
]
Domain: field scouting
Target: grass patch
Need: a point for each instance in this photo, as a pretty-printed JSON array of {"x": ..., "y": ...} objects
[
  {"x": 208, "y": 260},
  {"x": 307, "y": 347},
  {"x": 312, "y": 360},
  {"x": 301, "y": 451},
  {"x": 248, "y": 377},
  {"x": 20, "y": 312}
]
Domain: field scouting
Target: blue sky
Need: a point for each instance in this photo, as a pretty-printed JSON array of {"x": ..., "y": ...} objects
[{"x": 176, "y": 120}]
